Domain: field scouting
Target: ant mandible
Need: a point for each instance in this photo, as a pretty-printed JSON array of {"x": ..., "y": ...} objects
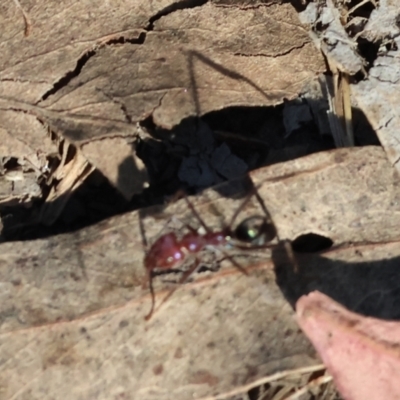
[{"x": 170, "y": 252}]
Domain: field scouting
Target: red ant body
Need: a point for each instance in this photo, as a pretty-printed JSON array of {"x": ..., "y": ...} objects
[{"x": 169, "y": 252}]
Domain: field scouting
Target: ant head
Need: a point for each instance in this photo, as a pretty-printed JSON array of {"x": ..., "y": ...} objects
[{"x": 256, "y": 230}]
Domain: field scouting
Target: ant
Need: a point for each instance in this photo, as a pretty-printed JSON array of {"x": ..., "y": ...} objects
[{"x": 170, "y": 252}]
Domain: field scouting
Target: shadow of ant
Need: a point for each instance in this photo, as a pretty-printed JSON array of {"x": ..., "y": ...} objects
[{"x": 193, "y": 54}]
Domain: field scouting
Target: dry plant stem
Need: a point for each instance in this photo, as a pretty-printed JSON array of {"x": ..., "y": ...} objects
[
  {"x": 340, "y": 108},
  {"x": 310, "y": 385},
  {"x": 345, "y": 91},
  {"x": 262, "y": 381},
  {"x": 359, "y": 5},
  {"x": 26, "y": 18}
]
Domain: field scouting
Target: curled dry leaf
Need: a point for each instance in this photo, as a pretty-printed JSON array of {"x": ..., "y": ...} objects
[{"x": 68, "y": 176}]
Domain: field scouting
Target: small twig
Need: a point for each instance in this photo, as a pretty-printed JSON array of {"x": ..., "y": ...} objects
[
  {"x": 27, "y": 21},
  {"x": 359, "y": 5},
  {"x": 264, "y": 380},
  {"x": 310, "y": 385}
]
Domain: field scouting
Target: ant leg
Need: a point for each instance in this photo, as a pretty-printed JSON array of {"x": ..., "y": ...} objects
[
  {"x": 231, "y": 259},
  {"x": 240, "y": 208},
  {"x": 266, "y": 212},
  {"x": 235, "y": 263},
  {"x": 254, "y": 192},
  {"x": 250, "y": 246},
  {"x": 145, "y": 242},
  {"x": 184, "y": 278},
  {"x": 153, "y": 298},
  {"x": 197, "y": 215},
  {"x": 184, "y": 225}
]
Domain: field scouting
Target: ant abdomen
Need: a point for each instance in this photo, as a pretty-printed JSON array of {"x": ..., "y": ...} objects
[{"x": 166, "y": 253}]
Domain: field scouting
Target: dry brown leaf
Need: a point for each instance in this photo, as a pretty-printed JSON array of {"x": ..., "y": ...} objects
[
  {"x": 110, "y": 66},
  {"x": 72, "y": 306},
  {"x": 195, "y": 61},
  {"x": 62, "y": 32},
  {"x": 63, "y": 35},
  {"x": 23, "y": 137},
  {"x": 69, "y": 175}
]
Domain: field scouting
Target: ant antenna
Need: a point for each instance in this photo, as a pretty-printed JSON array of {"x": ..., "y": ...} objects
[
  {"x": 253, "y": 192},
  {"x": 240, "y": 208},
  {"x": 265, "y": 210}
]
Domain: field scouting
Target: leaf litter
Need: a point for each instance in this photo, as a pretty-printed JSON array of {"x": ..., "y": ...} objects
[{"x": 91, "y": 280}]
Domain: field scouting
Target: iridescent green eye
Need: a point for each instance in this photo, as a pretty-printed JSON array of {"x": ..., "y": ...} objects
[
  {"x": 252, "y": 233},
  {"x": 256, "y": 230}
]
